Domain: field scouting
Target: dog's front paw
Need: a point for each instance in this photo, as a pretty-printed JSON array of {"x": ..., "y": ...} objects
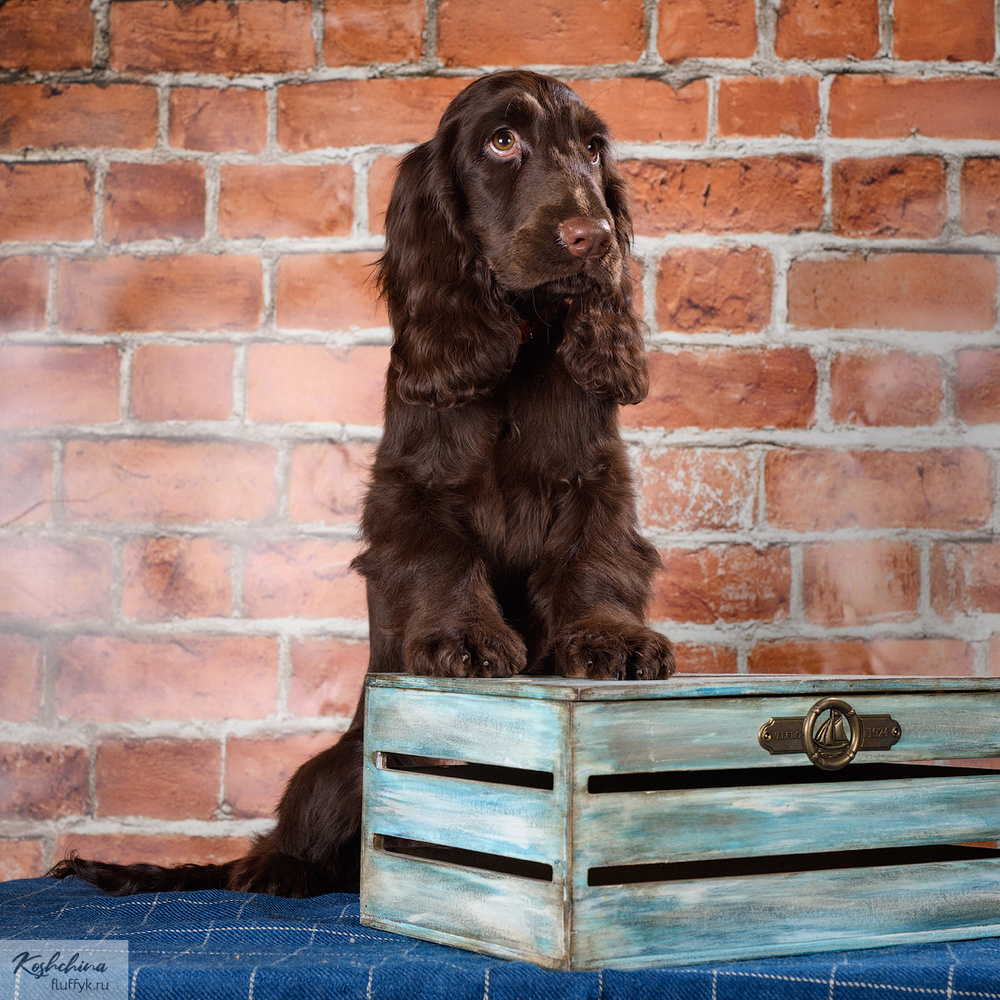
[
  {"x": 467, "y": 650},
  {"x": 611, "y": 649}
]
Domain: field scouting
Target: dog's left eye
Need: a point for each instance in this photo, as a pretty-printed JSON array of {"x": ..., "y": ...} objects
[
  {"x": 504, "y": 142},
  {"x": 594, "y": 150}
]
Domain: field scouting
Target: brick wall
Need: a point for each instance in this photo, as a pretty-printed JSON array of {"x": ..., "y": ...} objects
[{"x": 191, "y": 364}]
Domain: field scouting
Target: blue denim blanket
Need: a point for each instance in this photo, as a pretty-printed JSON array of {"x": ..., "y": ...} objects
[{"x": 207, "y": 945}]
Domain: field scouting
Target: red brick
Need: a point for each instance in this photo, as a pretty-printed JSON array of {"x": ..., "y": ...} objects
[
  {"x": 163, "y": 778},
  {"x": 46, "y": 201},
  {"x": 220, "y": 36},
  {"x": 754, "y": 194},
  {"x": 189, "y": 382},
  {"x": 310, "y": 382},
  {"x": 977, "y": 394},
  {"x": 286, "y": 200},
  {"x": 257, "y": 769},
  {"x": 167, "y": 577},
  {"x": 23, "y": 290},
  {"x": 910, "y": 291},
  {"x": 368, "y": 111},
  {"x": 151, "y": 480},
  {"x": 957, "y": 30},
  {"x": 46, "y": 36},
  {"x": 42, "y": 781},
  {"x": 728, "y": 387},
  {"x": 43, "y": 386},
  {"x": 148, "y": 201},
  {"x": 540, "y": 31},
  {"x": 77, "y": 114},
  {"x": 710, "y": 28},
  {"x": 303, "y": 578},
  {"x": 734, "y": 583},
  {"x": 21, "y": 859},
  {"x": 705, "y": 659},
  {"x": 218, "y": 120},
  {"x": 715, "y": 290},
  {"x": 698, "y": 489},
  {"x": 769, "y": 106},
  {"x": 820, "y": 490},
  {"x": 147, "y": 294},
  {"x": 162, "y": 849},
  {"x": 25, "y": 482},
  {"x": 890, "y": 196},
  {"x": 327, "y": 480},
  {"x": 108, "y": 678},
  {"x": 993, "y": 667},
  {"x": 21, "y": 678},
  {"x": 827, "y": 29},
  {"x": 645, "y": 110},
  {"x": 980, "y": 205},
  {"x": 381, "y": 177},
  {"x": 54, "y": 581},
  {"x": 851, "y": 583},
  {"x": 896, "y": 657},
  {"x": 875, "y": 107},
  {"x": 327, "y": 675},
  {"x": 965, "y": 578},
  {"x": 328, "y": 292},
  {"x": 357, "y": 32},
  {"x": 890, "y": 389}
]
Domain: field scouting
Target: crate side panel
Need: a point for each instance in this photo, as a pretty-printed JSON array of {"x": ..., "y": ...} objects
[
  {"x": 750, "y": 917},
  {"x": 696, "y": 824}
]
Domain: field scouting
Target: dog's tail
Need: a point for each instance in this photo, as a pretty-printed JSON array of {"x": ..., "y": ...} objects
[{"x": 313, "y": 849}]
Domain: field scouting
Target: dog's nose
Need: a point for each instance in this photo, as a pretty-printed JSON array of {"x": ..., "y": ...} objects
[{"x": 587, "y": 238}]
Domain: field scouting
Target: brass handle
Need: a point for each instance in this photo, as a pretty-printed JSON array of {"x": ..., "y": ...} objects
[{"x": 824, "y": 756}]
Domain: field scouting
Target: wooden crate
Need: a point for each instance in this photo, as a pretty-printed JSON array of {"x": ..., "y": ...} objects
[{"x": 584, "y": 825}]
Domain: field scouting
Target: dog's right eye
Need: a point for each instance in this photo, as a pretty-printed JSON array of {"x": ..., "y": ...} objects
[{"x": 504, "y": 142}]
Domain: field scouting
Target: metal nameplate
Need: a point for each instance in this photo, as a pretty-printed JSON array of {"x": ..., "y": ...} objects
[{"x": 783, "y": 735}]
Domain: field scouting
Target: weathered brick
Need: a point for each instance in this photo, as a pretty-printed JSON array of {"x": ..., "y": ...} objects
[
  {"x": 182, "y": 382},
  {"x": 219, "y": 36},
  {"x": 715, "y": 290},
  {"x": 327, "y": 675},
  {"x": 77, "y": 114},
  {"x": 888, "y": 389},
  {"x": 311, "y": 382},
  {"x": 147, "y": 201},
  {"x": 817, "y": 490},
  {"x": 218, "y": 120},
  {"x": 328, "y": 292},
  {"x": 21, "y": 859},
  {"x": 286, "y": 200},
  {"x": 698, "y": 489},
  {"x": 25, "y": 482},
  {"x": 46, "y": 201},
  {"x": 896, "y": 657},
  {"x": 303, "y": 578},
  {"x": 876, "y": 107},
  {"x": 890, "y": 196},
  {"x": 965, "y": 578},
  {"x": 170, "y": 576},
  {"x": 110, "y": 678},
  {"x": 23, "y": 292},
  {"x": 326, "y": 481},
  {"x": 381, "y": 176},
  {"x": 749, "y": 195},
  {"x": 732, "y": 583},
  {"x": 851, "y": 583},
  {"x": 977, "y": 393},
  {"x": 769, "y": 106},
  {"x": 42, "y": 781},
  {"x": 150, "y": 480},
  {"x": 717, "y": 29},
  {"x": 645, "y": 110},
  {"x": 143, "y": 778},
  {"x": 980, "y": 205},
  {"x": 910, "y": 291},
  {"x": 171, "y": 293},
  {"x": 693, "y": 659},
  {"x": 21, "y": 677},
  {"x": 728, "y": 387},
  {"x": 959, "y": 30},
  {"x": 54, "y": 581},
  {"x": 159, "y": 849},
  {"x": 827, "y": 29},
  {"x": 47, "y": 36},
  {"x": 366, "y": 31}
]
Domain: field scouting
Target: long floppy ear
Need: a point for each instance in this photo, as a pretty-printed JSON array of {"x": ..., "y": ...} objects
[
  {"x": 454, "y": 337},
  {"x": 604, "y": 349}
]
